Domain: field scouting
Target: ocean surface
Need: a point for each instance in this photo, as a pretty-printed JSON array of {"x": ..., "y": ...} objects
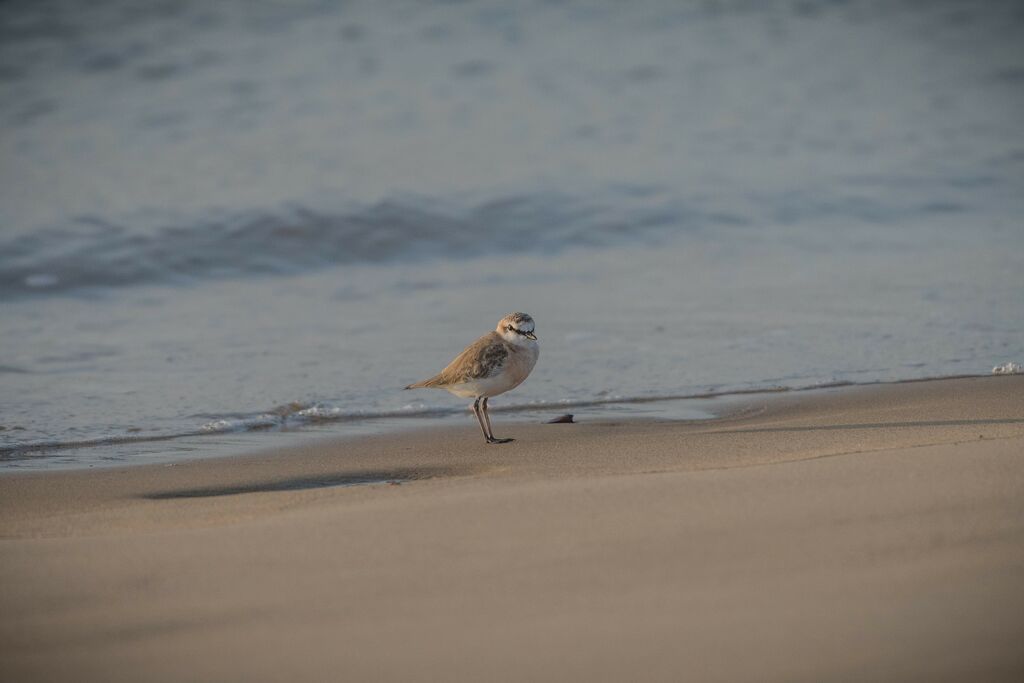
[{"x": 234, "y": 225}]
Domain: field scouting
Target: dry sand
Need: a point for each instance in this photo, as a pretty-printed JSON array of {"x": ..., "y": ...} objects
[{"x": 857, "y": 534}]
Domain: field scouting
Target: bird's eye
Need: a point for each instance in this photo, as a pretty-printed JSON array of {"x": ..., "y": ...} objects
[{"x": 510, "y": 328}]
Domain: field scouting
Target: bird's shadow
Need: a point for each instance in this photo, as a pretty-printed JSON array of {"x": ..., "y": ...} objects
[{"x": 341, "y": 479}]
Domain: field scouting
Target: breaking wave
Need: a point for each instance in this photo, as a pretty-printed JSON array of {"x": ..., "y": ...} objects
[{"x": 94, "y": 251}]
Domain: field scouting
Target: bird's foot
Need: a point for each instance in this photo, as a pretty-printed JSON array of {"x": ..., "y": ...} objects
[{"x": 493, "y": 440}]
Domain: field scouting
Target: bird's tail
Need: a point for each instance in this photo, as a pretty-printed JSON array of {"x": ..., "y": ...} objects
[{"x": 426, "y": 384}]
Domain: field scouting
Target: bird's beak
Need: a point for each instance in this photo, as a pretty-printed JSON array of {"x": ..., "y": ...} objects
[{"x": 531, "y": 335}]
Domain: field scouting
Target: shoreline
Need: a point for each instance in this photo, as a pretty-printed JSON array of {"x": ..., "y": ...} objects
[
  {"x": 856, "y": 532},
  {"x": 13, "y": 454}
]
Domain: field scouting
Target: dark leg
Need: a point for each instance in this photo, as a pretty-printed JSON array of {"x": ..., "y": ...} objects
[
  {"x": 476, "y": 411},
  {"x": 487, "y": 419}
]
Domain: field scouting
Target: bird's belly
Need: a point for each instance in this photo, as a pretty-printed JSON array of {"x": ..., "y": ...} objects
[{"x": 485, "y": 386}]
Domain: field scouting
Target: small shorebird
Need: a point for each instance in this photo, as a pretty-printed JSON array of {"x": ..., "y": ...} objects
[{"x": 493, "y": 364}]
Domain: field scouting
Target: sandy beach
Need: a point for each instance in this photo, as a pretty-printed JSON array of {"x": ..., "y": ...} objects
[
  {"x": 869, "y": 533},
  {"x": 772, "y": 254}
]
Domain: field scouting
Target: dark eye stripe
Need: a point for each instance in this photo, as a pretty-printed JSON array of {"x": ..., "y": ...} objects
[{"x": 510, "y": 328}]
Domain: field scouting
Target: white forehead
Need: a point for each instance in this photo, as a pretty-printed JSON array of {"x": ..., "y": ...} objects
[{"x": 520, "y": 321}]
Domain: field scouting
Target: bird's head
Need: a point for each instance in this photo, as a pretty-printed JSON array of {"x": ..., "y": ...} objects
[{"x": 517, "y": 328}]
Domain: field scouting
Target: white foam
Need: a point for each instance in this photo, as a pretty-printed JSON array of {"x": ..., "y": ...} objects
[
  {"x": 1008, "y": 369},
  {"x": 240, "y": 425},
  {"x": 319, "y": 411}
]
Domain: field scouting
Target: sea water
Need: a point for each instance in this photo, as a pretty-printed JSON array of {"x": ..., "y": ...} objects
[{"x": 241, "y": 224}]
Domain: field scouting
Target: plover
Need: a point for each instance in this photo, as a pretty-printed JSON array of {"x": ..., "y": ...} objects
[{"x": 493, "y": 364}]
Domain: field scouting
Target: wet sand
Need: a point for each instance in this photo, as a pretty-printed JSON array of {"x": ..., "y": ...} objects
[{"x": 865, "y": 533}]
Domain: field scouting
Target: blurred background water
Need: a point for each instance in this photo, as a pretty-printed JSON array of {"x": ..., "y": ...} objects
[{"x": 232, "y": 224}]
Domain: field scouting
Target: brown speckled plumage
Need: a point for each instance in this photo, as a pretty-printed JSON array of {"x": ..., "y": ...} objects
[{"x": 518, "y": 318}]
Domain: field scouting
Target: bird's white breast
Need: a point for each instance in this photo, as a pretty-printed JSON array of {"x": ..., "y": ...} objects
[{"x": 520, "y": 362}]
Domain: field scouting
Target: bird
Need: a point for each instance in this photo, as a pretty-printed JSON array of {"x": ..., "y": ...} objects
[{"x": 495, "y": 363}]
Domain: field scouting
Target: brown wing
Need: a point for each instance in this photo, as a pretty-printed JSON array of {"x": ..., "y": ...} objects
[{"x": 480, "y": 359}]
